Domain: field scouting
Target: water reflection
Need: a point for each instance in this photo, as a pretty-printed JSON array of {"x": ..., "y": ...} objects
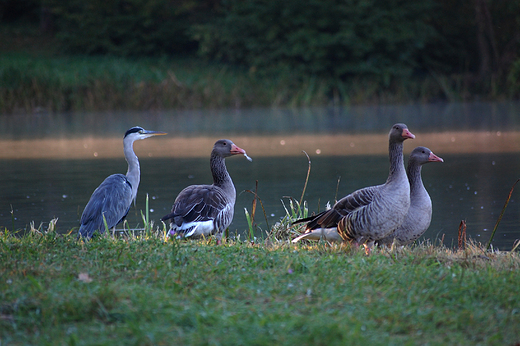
[
  {"x": 49, "y": 168},
  {"x": 475, "y": 116}
]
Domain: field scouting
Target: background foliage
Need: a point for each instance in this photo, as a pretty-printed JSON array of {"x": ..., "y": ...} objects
[
  {"x": 125, "y": 28},
  {"x": 330, "y": 38},
  {"x": 386, "y": 50}
]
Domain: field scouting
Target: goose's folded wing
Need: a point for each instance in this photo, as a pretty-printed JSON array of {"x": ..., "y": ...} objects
[
  {"x": 197, "y": 203},
  {"x": 342, "y": 208}
]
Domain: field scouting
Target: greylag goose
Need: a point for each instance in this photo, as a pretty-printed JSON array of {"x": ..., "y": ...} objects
[
  {"x": 113, "y": 198},
  {"x": 203, "y": 210},
  {"x": 419, "y": 215},
  {"x": 370, "y": 213}
]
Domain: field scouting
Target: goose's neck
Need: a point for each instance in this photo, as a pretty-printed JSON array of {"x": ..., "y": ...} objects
[
  {"x": 221, "y": 176},
  {"x": 134, "y": 172},
  {"x": 396, "y": 161},
  {"x": 414, "y": 176}
]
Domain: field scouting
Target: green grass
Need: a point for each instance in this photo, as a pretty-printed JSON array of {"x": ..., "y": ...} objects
[{"x": 144, "y": 290}]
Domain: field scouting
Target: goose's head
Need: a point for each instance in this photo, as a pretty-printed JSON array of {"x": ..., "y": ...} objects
[{"x": 400, "y": 133}]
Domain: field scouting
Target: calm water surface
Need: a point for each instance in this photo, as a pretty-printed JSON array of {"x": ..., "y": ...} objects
[{"x": 467, "y": 186}]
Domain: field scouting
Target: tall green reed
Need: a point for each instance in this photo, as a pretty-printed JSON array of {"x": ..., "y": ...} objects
[{"x": 87, "y": 83}]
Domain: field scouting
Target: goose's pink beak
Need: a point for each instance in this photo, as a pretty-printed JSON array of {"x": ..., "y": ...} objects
[
  {"x": 407, "y": 134},
  {"x": 434, "y": 158},
  {"x": 236, "y": 150}
]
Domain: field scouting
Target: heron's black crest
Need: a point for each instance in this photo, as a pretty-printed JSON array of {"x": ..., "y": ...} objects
[{"x": 133, "y": 130}]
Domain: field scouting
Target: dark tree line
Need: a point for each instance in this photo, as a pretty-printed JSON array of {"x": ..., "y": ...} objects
[{"x": 326, "y": 38}]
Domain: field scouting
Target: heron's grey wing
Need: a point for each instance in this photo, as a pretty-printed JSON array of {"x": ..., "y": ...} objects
[
  {"x": 112, "y": 199},
  {"x": 197, "y": 203}
]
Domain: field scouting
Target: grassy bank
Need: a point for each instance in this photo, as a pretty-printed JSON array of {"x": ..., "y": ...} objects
[
  {"x": 30, "y": 83},
  {"x": 130, "y": 290},
  {"x": 36, "y": 76}
]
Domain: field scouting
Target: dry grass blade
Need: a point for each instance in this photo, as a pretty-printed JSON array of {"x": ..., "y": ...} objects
[
  {"x": 307, "y": 178},
  {"x": 501, "y": 214},
  {"x": 253, "y": 209},
  {"x": 462, "y": 235},
  {"x": 515, "y": 245},
  {"x": 337, "y": 188}
]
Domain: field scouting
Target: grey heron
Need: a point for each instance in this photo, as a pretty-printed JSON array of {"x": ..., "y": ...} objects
[{"x": 111, "y": 201}]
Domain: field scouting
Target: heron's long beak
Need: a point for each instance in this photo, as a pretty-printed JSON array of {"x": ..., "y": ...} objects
[{"x": 154, "y": 133}]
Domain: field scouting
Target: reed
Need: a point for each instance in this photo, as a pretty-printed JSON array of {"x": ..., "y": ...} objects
[
  {"x": 501, "y": 214},
  {"x": 147, "y": 224},
  {"x": 252, "y": 227},
  {"x": 82, "y": 83},
  {"x": 462, "y": 239}
]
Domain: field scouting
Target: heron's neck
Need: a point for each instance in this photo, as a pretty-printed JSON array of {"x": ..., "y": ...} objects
[
  {"x": 134, "y": 172},
  {"x": 396, "y": 161}
]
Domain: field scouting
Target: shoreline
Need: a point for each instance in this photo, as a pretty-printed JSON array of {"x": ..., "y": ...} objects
[{"x": 443, "y": 143}]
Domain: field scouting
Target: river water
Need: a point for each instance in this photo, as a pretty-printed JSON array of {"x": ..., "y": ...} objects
[{"x": 51, "y": 163}]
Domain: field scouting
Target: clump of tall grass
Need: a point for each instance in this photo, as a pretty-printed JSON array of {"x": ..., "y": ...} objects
[{"x": 284, "y": 230}]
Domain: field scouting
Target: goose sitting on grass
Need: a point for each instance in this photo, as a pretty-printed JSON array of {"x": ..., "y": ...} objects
[{"x": 371, "y": 213}]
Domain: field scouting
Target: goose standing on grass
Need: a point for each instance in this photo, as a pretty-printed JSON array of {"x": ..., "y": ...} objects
[
  {"x": 419, "y": 215},
  {"x": 371, "y": 213},
  {"x": 202, "y": 210},
  {"x": 113, "y": 198}
]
